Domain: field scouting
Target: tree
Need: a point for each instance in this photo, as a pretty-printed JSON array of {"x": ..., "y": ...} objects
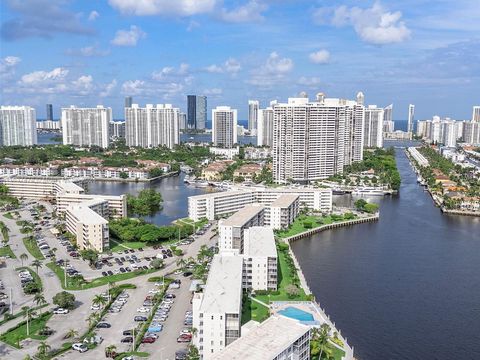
[
  {"x": 23, "y": 257},
  {"x": 31, "y": 288},
  {"x": 156, "y": 263},
  {"x": 110, "y": 350},
  {"x": 360, "y": 204},
  {"x": 292, "y": 291},
  {"x": 72, "y": 333},
  {"x": 29, "y": 315},
  {"x": 43, "y": 349},
  {"x": 193, "y": 353},
  {"x": 92, "y": 319},
  {"x": 123, "y": 175},
  {"x": 90, "y": 255},
  {"x": 64, "y": 300},
  {"x": 99, "y": 300},
  {"x": 37, "y": 264},
  {"x": 148, "y": 202},
  {"x": 181, "y": 263},
  {"x": 39, "y": 299},
  {"x": 320, "y": 341}
]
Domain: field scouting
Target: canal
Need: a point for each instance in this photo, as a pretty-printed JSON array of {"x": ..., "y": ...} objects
[{"x": 405, "y": 287}]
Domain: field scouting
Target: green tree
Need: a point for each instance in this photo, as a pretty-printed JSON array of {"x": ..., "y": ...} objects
[
  {"x": 157, "y": 263},
  {"x": 90, "y": 255},
  {"x": 23, "y": 257},
  {"x": 28, "y": 314},
  {"x": 37, "y": 264},
  {"x": 64, "y": 300},
  {"x": 99, "y": 300},
  {"x": 148, "y": 202},
  {"x": 39, "y": 299},
  {"x": 43, "y": 349},
  {"x": 72, "y": 333},
  {"x": 292, "y": 291}
]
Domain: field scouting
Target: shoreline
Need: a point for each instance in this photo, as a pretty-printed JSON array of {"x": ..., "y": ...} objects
[{"x": 349, "y": 350}]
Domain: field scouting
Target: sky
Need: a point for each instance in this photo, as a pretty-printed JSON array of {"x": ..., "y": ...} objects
[{"x": 64, "y": 52}]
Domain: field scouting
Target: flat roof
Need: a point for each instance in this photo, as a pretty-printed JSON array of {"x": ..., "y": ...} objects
[
  {"x": 264, "y": 342},
  {"x": 259, "y": 241},
  {"x": 86, "y": 215},
  {"x": 223, "y": 290},
  {"x": 243, "y": 215},
  {"x": 285, "y": 200}
]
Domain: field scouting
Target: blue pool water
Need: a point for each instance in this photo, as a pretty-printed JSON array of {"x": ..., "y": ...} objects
[{"x": 297, "y": 314}]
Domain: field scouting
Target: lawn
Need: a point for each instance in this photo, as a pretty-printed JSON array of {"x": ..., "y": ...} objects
[
  {"x": 20, "y": 313},
  {"x": 18, "y": 333},
  {"x": 126, "y": 245},
  {"x": 8, "y": 215},
  {"x": 252, "y": 310},
  {"x": 6, "y": 251},
  {"x": 32, "y": 248},
  {"x": 312, "y": 222},
  {"x": 78, "y": 284}
]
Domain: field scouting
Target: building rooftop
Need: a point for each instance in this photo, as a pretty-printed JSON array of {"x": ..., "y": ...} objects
[
  {"x": 223, "y": 291},
  {"x": 259, "y": 241},
  {"x": 284, "y": 201},
  {"x": 86, "y": 215},
  {"x": 243, "y": 215},
  {"x": 264, "y": 342}
]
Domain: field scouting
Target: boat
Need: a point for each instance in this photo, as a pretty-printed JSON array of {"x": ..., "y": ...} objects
[
  {"x": 368, "y": 191},
  {"x": 201, "y": 183}
]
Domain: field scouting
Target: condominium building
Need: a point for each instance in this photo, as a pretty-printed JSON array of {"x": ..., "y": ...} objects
[
  {"x": 49, "y": 112},
  {"x": 265, "y": 127},
  {"x": 440, "y": 131},
  {"x": 277, "y": 338},
  {"x": 214, "y": 205},
  {"x": 224, "y": 126},
  {"x": 196, "y": 112},
  {"x": 253, "y": 113},
  {"x": 373, "y": 130},
  {"x": 49, "y": 125},
  {"x": 411, "y": 116},
  {"x": 117, "y": 129},
  {"x": 282, "y": 212},
  {"x": 260, "y": 259},
  {"x": 17, "y": 126},
  {"x": 471, "y": 132},
  {"x": 315, "y": 140},
  {"x": 217, "y": 310},
  {"x": 117, "y": 203},
  {"x": 421, "y": 160},
  {"x": 128, "y": 101},
  {"x": 29, "y": 170},
  {"x": 90, "y": 229},
  {"x": 388, "y": 123},
  {"x": 86, "y": 126},
  {"x": 476, "y": 114},
  {"x": 231, "y": 230},
  {"x": 152, "y": 125}
]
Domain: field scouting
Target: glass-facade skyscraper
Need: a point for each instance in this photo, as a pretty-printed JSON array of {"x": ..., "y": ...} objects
[
  {"x": 196, "y": 112},
  {"x": 49, "y": 112}
]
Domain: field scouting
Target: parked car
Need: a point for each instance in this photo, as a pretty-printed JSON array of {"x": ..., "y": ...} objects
[
  {"x": 80, "y": 347},
  {"x": 60, "y": 311},
  {"x": 184, "y": 338},
  {"x": 143, "y": 310},
  {"x": 140, "y": 318},
  {"x": 103, "y": 325},
  {"x": 148, "y": 340},
  {"x": 127, "y": 333},
  {"x": 128, "y": 339},
  {"x": 181, "y": 354}
]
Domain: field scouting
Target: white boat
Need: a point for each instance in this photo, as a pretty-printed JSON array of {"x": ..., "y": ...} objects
[
  {"x": 368, "y": 191},
  {"x": 201, "y": 183}
]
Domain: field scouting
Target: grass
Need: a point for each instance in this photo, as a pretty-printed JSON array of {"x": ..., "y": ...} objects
[
  {"x": 126, "y": 245},
  {"x": 33, "y": 248},
  {"x": 252, "y": 310},
  {"x": 20, "y": 313},
  {"x": 132, "y": 353},
  {"x": 8, "y": 215},
  {"x": 7, "y": 251},
  {"x": 15, "y": 335},
  {"x": 80, "y": 284}
]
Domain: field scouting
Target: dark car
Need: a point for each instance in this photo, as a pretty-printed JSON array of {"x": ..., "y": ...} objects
[
  {"x": 147, "y": 258},
  {"x": 127, "y": 333},
  {"x": 140, "y": 318},
  {"x": 104, "y": 273},
  {"x": 148, "y": 340},
  {"x": 181, "y": 354},
  {"x": 128, "y": 339},
  {"x": 122, "y": 259},
  {"x": 46, "y": 332},
  {"x": 103, "y": 325},
  {"x": 140, "y": 249},
  {"x": 132, "y": 251},
  {"x": 110, "y": 272},
  {"x": 170, "y": 296},
  {"x": 145, "y": 267},
  {"x": 187, "y": 273},
  {"x": 122, "y": 270}
]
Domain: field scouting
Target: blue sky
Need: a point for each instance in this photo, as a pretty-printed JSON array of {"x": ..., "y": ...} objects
[{"x": 425, "y": 52}]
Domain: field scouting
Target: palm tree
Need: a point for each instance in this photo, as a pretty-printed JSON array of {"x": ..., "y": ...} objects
[
  {"x": 72, "y": 333},
  {"x": 109, "y": 350},
  {"x": 99, "y": 300},
  {"x": 92, "y": 319},
  {"x": 39, "y": 299},
  {"x": 29, "y": 315},
  {"x": 322, "y": 337},
  {"x": 181, "y": 263},
  {"x": 37, "y": 264},
  {"x": 43, "y": 349},
  {"x": 23, "y": 257},
  {"x": 27, "y": 357}
]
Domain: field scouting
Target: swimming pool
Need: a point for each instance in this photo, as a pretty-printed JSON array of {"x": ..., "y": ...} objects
[{"x": 297, "y": 314}]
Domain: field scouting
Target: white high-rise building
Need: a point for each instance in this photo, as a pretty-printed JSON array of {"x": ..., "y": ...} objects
[
  {"x": 315, "y": 140},
  {"x": 449, "y": 133},
  {"x": 265, "y": 127},
  {"x": 388, "y": 123},
  {"x": 224, "y": 126},
  {"x": 152, "y": 126},
  {"x": 18, "y": 126},
  {"x": 471, "y": 132},
  {"x": 373, "y": 131},
  {"x": 411, "y": 116},
  {"x": 476, "y": 114},
  {"x": 253, "y": 112},
  {"x": 86, "y": 126}
]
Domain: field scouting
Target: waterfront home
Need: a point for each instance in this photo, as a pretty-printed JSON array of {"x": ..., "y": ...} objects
[
  {"x": 213, "y": 172},
  {"x": 247, "y": 171}
]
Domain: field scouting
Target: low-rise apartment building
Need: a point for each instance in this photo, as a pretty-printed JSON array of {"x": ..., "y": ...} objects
[
  {"x": 231, "y": 230},
  {"x": 260, "y": 259},
  {"x": 277, "y": 338},
  {"x": 217, "y": 310},
  {"x": 117, "y": 203},
  {"x": 29, "y": 170},
  {"x": 248, "y": 171},
  {"x": 214, "y": 171},
  {"x": 283, "y": 211}
]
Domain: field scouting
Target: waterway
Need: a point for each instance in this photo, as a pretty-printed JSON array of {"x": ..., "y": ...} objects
[{"x": 405, "y": 287}]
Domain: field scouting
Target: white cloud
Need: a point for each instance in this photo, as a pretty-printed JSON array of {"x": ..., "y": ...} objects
[
  {"x": 93, "y": 15},
  {"x": 8, "y": 64},
  {"x": 171, "y": 72},
  {"x": 272, "y": 72},
  {"x": 250, "y": 12},
  {"x": 38, "y": 77},
  {"x": 128, "y": 37},
  {"x": 231, "y": 66},
  {"x": 320, "y": 57},
  {"x": 309, "y": 82},
  {"x": 88, "y": 51},
  {"x": 133, "y": 87},
  {"x": 107, "y": 91},
  {"x": 83, "y": 85},
  {"x": 374, "y": 25},
  {"x": 214, "y": 92},
  {"x": 164, "y": 7}
]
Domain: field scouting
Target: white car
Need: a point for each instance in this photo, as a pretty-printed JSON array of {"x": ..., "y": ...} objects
[
  {"x": 80, "y": 347},
  {"x": 60, "y": 311},
  {"x": 186, "y": 331},
  {"x": 143, "y": 310},
  {"x": 153, "y": 291},
  {"x": 95, "y": 307}
]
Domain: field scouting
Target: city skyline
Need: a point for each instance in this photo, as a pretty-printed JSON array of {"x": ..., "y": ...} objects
[{"x": 104, "y": 52}]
